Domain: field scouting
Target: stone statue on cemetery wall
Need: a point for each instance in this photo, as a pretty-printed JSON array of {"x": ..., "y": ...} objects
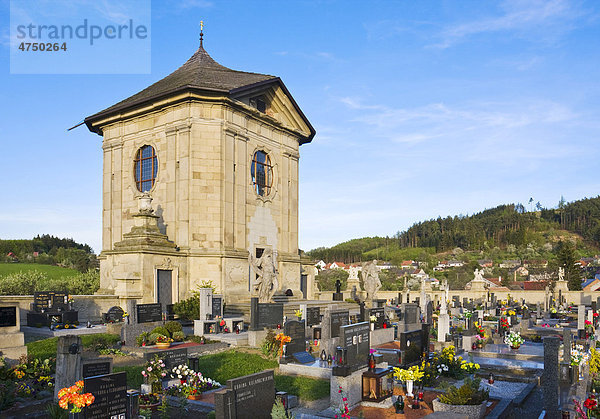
[
  {"x": 561, "y": 273},
  {"x": 371, "y": 281},
  {"x": 352, "y": 273},
  {"x": 266, "y": 282}
]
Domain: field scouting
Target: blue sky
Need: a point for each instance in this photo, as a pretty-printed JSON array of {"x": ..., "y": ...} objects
[{"x": 421, "y": 109}]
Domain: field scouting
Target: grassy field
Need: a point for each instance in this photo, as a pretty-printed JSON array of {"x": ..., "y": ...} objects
[
  {"x": 52, "y": 272},
  {"x": 46, "y": 348}
]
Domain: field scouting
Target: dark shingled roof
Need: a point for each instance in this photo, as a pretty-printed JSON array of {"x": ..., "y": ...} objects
[
  {"x": 200, "y": 72},
  {"x": 203, "y": 73}
]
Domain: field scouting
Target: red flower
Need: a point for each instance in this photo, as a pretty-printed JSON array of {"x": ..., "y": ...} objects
[{"x": 590, "y": 404}]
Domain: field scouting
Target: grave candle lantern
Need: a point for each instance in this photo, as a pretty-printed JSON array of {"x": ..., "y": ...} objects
[{"x": 375, "y": 385}]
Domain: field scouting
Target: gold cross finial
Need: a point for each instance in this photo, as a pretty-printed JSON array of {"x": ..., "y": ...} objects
[{"x": 201, "y": 33}]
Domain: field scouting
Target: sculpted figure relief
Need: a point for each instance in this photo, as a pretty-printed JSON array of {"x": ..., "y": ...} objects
[
  {"x": 371, "y": 281},
  {"x": 478, "y": 274},
  {"x": 265, "y": 283}
]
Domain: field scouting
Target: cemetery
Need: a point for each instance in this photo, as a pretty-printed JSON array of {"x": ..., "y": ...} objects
[{"x": 208, "y": 219}]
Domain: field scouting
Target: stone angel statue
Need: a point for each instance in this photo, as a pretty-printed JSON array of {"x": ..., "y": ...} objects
[{"x": 266, "y": 282}]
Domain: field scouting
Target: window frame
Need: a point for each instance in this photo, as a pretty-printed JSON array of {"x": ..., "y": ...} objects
[
  {"x": 138, "y": 168},
  {"x": 262, "y": 189}
]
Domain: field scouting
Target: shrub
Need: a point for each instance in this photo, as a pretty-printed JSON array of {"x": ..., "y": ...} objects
[
  {"x": 179, "y": 336},
  {"x": 467, "y": 394},
  {"x": 28, "y": 282},
  {"x": 152, "y": 338},
  {"x": 161, "y": 330},
  {"x": 173, "y": 327},
  {"x": 188, "y": 309}
]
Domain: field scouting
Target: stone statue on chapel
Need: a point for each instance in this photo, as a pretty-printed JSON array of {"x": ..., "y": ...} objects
[
  {"x": 266, "y": 282},
  {"x": 478, "y": 275},
  {"x": 561, "y": 273},
  {"x": 371, "y": 281}
]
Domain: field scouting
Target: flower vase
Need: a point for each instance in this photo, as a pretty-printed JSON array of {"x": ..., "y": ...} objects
[
  {"x": 409, "y": 388},
  {"x": 195, "y": 396},
  {"x": 515, "y": 346},
  {"x": 372, "y": 326},
  {"x": 163, "y": 345},
  {"x": 77, "y": 415}
]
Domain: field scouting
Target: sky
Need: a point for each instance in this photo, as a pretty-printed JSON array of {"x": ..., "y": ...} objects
[{"x": 422, "y": 109}]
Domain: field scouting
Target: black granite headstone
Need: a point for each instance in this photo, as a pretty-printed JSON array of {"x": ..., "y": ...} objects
[
  {"x": 430, "y": 312},
  {"x": 171, "y": 357},
  {"x": 313, "y": 316},
  {"x": 217, "y": 306},
  {"x": 410, "y": 313},
  {"x": 148, "y": 312},
  {"x": 253, "y": 397},
  {"x": 96, "y": 367},
  {"x": 114, "y": 315},
  {"x": 355, "y": 338},
  {"x": 110, "y": 392},
  {"x": 379, "y": 314},
  {"x": 337, "y": 319},
  {"x": 8, "y": 316},
  {"x": 50, "y": 300},
  {"x": 265, "y": 314},
  {"x": 296, "y": 331},
  {"x": 411, "y": 344},
  {"x": 338, "y": 296}
]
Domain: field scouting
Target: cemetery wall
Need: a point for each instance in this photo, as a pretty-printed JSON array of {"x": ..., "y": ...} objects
[
  {"x": 532, "y": 297},
  {"x": 90, "y": 307}
]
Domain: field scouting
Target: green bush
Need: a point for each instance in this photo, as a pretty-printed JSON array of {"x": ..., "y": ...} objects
[
  {"x": 173, "y": 327},
  {"x": 28, "y": 282},
  {"x": 99, "y": 341},
  {"x": 161, "y": 330},
  {"x": 467, "y": 394},
  {"x": 178, "y": 336},
  {"x": 188, "y": 309}
]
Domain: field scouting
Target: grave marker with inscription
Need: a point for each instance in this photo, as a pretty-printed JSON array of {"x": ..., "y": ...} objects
[
  {"x": 110, "y": 392},
  {"x": 338, "y": 319},
  {"x": 263, "y": 315},
  {"x": 147, "y": 313},
  {"x": 296, "y": 331},
  {"x": 251, "y": 396},
  {"x": 313, "y": 316},
  {"x": 217, "y": 306},
  {"x": 356, "y": 341},
  {"x": 94, "y": 367},
  {"x": 379, "y": 314},
  {"x": 171, "y": 357}
]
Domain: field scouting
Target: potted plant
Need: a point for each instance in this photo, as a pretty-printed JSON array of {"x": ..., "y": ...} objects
[
  {"x": 154, "y": 371},
  {"x": 479, "y": 341},
  {"x": 149, "y": 401},
  {"x": 469, "y": 367},
  {"x": 408, "y": 376},
  {"x": 467, "y": 400},
  {"x": 514, "y": 339},
  {"x": 163, "y": 342}
]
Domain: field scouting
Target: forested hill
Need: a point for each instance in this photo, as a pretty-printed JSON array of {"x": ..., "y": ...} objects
[{"x": 497, "y": 227}]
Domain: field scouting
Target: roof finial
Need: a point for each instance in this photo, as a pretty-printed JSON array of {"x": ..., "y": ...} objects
[{"x": 201, "y": 33}]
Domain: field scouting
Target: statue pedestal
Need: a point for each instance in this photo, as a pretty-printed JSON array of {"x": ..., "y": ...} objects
[{"x": 338, "y": 296}]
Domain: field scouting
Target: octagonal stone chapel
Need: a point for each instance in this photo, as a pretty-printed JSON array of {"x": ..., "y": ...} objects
[{"x": 200, "y": 183}]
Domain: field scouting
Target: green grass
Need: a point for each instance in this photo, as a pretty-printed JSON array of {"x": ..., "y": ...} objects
[
  {"x": 46, "y": 348},
  {"x": 134, "y": 375},
  {"x": 304, "y": 387},
  {"x": 52, "y": 272}
]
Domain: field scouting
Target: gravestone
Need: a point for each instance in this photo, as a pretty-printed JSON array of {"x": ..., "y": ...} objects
[
  {"x": 114, "y": 315},
  {"x": 313, "y": 316},
  {"x": 409, "y": 318},
  {"x": 567, "y": 343},
  {"x": 355, "y": 344},
  {"x": 217, "y": 306},
  {"x": 379, "y": 314},
  {"x": 429, "y": 316},
  {"x": 12, "y": 344},
  {"x": 263, "y": 315},
  {"x": 337, "y": 319},
  {"x": 110, "y": 392},
  {"x": 94, "y": 367},
  {"x": 251, "y": 396},
  {"x": 68, "y": 362},
  {"x": 443, "y": 327},
  {"x": 550, "y": 377},
  {"x": 146, "y": 313},
  {"x": 296, "y": 331},
  {"x": 581, "y": 321},
  {"x": 171, "y": 357},
  {"x": 50, "y": 301},
  {"x": 455, "y": 301},
  {"x": 411, "y": 344},
  {"x": 205, "y": 301},
  {"x": 303, "y": 358}
]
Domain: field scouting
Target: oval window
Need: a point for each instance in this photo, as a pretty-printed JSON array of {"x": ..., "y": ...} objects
[
  {"x": 146, "y": 167},
  {"x": 262, "y": 173}
]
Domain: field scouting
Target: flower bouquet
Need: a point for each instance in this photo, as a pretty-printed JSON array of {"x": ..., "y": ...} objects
[
  {"x": 408, "y": 376},
  {"x": 479, "y": 341},
  {"x": 514, "y": 339},
  {"x": 181, "y": 372},
  {"x": 149, "y": 401},
  {"x": 469, "y": 367},
  {"x": 592, "y": 410},
  {"x": 163, "y": 342},
  {"x": 282, "y": 339},
  {"x": 71, "y": 398},
  {"x": 154, "y": 371},
  {"x": 298, "y": 313},
  {"x": 479, "y": 329},
  {"x": 504, "y": 326},
  {"x": 196, "y": 384}
]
